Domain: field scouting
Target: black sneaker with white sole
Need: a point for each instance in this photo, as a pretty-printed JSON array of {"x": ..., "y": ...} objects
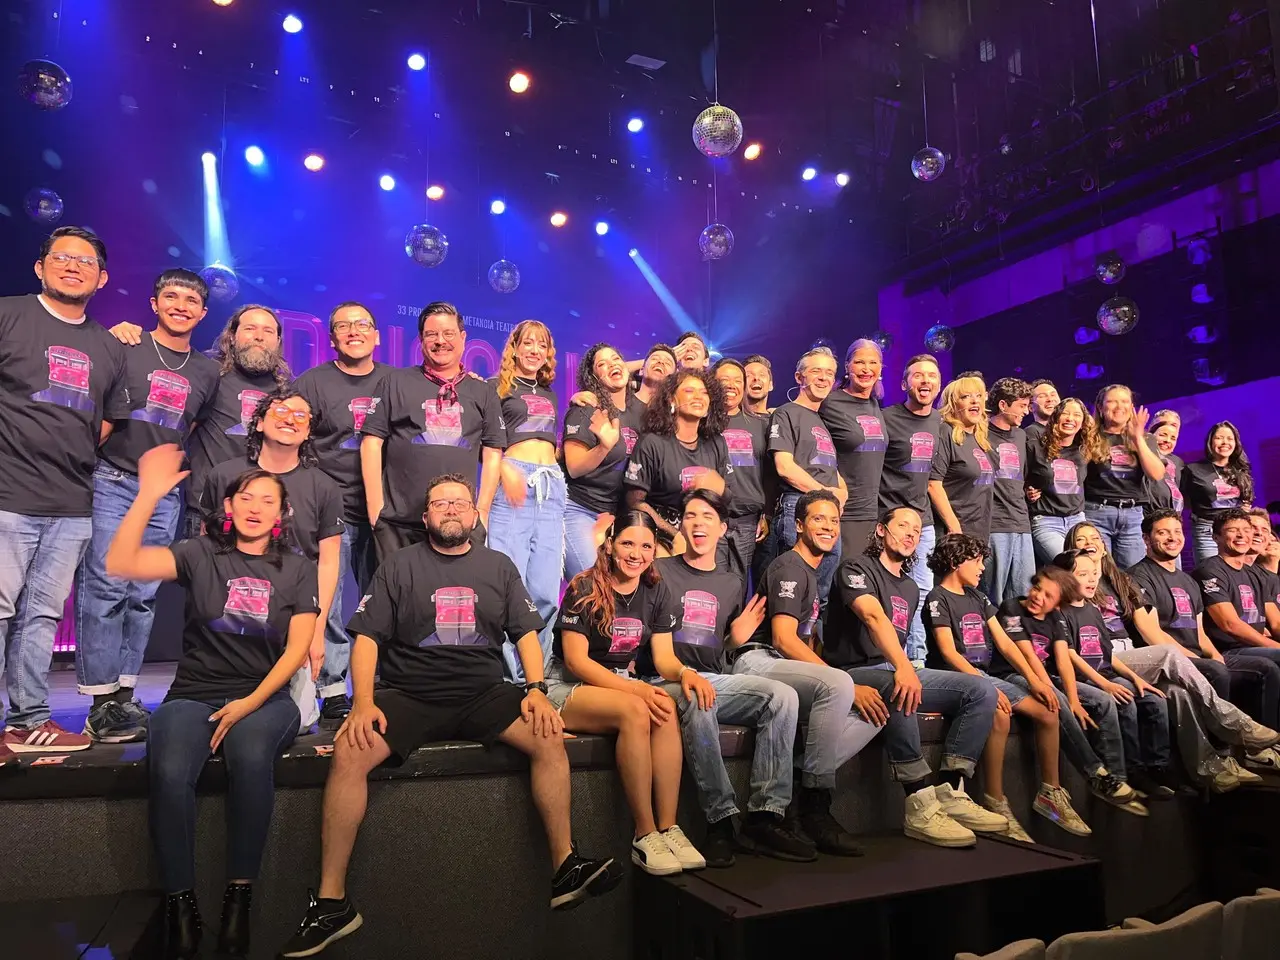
[
  {"x": 580, "y": 877},
  {"x": 325, "y": 922},
  {"x": 113, "y": 722},
  {"x": 718, "y": 846},
  {"x": 334, "y": 710}
]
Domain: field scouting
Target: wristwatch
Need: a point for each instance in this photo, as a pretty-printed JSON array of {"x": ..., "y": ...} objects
[{"x": 540, "y": 686}]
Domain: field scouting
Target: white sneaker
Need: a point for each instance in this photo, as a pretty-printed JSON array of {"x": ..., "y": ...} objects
[
  {"x": 1264, "y": 759},
  {"x": 924, "y": 819},
  {"x": 959, "y": 806},
  {"x": 1247, "y": 778},
  {"x": 1014, "y": 829},
  {"x": 1054, "y": 804},
  {"x": 652, "y": 855},
  {"x": 1258, "y": 737},
  {"x": 685, "y": 852}
]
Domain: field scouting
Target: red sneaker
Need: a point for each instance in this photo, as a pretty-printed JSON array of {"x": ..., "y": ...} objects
[{"x": 46, "y": 738}]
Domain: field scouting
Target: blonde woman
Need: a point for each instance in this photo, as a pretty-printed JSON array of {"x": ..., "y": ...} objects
[
  {"x": 961, "y": 479},
  {"x": 1115, "y": 487}
]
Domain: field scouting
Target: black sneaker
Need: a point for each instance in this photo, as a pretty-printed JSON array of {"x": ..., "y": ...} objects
[
  {"x": 1152, "y": 783},
  {"x": 333, "y": 710},
  {"x": 325, "y": 922},
  {"x": 718, "y": 847},
  {"x": 1118, "y": 793},
  {"x": 766, "y": 834},
  {"x": 822, "y": 828},
  {"x": 138, "y": 710},
  {"x": 579, "y": 878},
  {"x": 110, "y": 722}
]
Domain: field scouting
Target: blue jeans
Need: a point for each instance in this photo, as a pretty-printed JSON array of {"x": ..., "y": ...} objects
[
  {"x": 579, "y": 539},
  {"x": 1110, "y": 738},
  {"x": 38, "y": 560},
  {"x": 355, "y": 555},
  {"x": 1049, "y": 535},
  {"x": 768, "y": 706},
  {"x": 114, "y": 616},
  {"x": 178, "y": 749},
  {"x": 923, "y": 576},
  {"x": 532, "y": 535},
  {"x": 1073, "y": 740},
  {"x": 1144, "y": 724},
  {"x": 968, "y": 703},
  {"x": 1121, "y": 531},
  {"x": 786, "y": 523},
  {"x": 1008, "y": 572},
  {"x": 835, "y": 732},
  {"x": 741, "y": 536},
  {"x": 1202, "y": 539}
]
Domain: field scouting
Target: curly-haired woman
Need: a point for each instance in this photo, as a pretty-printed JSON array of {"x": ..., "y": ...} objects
[
  {"x": 1058, "y": 458},
  {"x": 1222, "y": 480}
]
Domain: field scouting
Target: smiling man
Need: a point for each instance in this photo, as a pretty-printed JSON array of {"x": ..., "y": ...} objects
[{"x": 691, "y": 351}]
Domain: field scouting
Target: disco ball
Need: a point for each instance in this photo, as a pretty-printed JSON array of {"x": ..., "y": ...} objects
[
  {"x": 927, "y": 165},
  {"x": 940, "y": 338},
  {"x": 45, "y": 84},
  {"x": 882, "y": 340},
  {"x": 504, "y": 276},
  {"x": 717, "y": 131},
  {"x": 716, "y": 242},
  {"x": 222, "y": 281},
  {"x": 43, "y": 205},
  {"x": 426, "y": 245},
  {"x": 1109, "y": 268},
  {"x": 824, "y": 342},
  {"x": 1117, "y": 316}
]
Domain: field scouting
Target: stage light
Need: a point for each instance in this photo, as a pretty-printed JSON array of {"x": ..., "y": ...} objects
[
  {"x": 497, "y": 207},
  {"x": 808, "y": 173},
  {"x": 291, "y": 24},
  {"x": 559, "y": 219},
  {"x": 751, "y": 151},
  {"x": 417, "y": 61},
  {"x": 254, "y": 156},
  {"x": 842, "y": 179},
  {"x": 635, "y": 125},
  {"x": 633, "y": 252},
  {"x": 313, "y": 162},
  {"x": 387, "y": 182},
  {"x": 601, "y": 228},
  {"x": 519, "y": 82},
  {"x": 222, "y": 3},
  {"x": 435, "y": 192},
  {"x": 208, "y": 158}
]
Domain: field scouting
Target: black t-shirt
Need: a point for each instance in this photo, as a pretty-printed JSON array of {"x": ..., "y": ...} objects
[
  {"x": 1087, "y": 635},
  {"x": 747, "y": 440},
  {"x": 1120, "y": 476},
  {"x": 1041, "y": 632},
  {"x": 1166, "y": 494},
  {"x": 636, "y": 619},
  {"x": 858, "y": 432},
  {"x": 1009, "y": 500},
  {"x": 424, "y": 441},
  {"x": 440, "y": 621},
  {"x": 1060, "y": 480},
  {"x": 704, "y": 603},
  {"x": 846, "y": 641},
  {"x": 790, "y": 588},
  {"x": 340, "y": 402},
  {"x": 1222, "y": 583},
  {"x": 315, "y": 502},
  {"x": 800, "y": 432},
  {"x": 1109, "y": 604},
  {"x": 1268, "y": 585},
  {"x": 967, "y": 615},
  {"x": 1035, "y": 432},
  {"x": 600, "y": 490},
  {"x": 664, "y": 468},
  {"x": 238, "y": 609},
  {"x": 168, "y": 391},
  {"x": 223, "y": 427},
  {"x": 908, "y": 458},
  {"x": 968, "y": 478},
  {"x": 58, "y": 382},
  {"x": 1175, "y": 598},
  {"x": 1208, "y": 492},
  {"x": 528, "y": 413}
]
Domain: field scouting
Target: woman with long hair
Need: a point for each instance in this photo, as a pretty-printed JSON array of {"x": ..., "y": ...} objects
[
  {"x": 1118, "y": 595},
  {"x": 962, "y": 477},
  {"x": 682, "y": 449},
  {"x": 852, "y": 416},
  {"x": 598, "y": 439},
  {"x": 609, "y": 612},
  {"x": 1057, "y": 460},
  {"x": 251, "y": 615},
  {"x": 1165, "y": 494},
  {"x": 1222, "y": 480},
  {"x": 1115, "y": 486},
  {"x": 526, "y": 521}
]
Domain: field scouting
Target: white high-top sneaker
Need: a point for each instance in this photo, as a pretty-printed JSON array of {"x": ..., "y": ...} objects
[{"x": 924, "y": 819}]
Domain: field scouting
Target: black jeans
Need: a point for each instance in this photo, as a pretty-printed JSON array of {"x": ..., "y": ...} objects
[{"x": 1259, "y": 668}]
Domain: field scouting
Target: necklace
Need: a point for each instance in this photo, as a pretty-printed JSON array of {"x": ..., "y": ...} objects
[
  {"x": 530, "y": 382},
  {"x": 160, "y": 357},
  {"x": 626, "y": 598}
]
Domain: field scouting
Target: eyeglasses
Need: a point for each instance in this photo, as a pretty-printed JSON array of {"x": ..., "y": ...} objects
[
  {"x": 284, "y": 414},
  {"x": 452, "y": 506},
  {"x": 62, "y": 259},
  {"x": 431, "y": 336},
  {"x": 362, "y": 326}
]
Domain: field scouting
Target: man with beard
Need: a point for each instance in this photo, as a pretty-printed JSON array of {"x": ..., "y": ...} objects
[
  {"x": 169, "y": 386},
  {"x": 759, "y": 372},
  {"x": 433, "y": 627},
  {"x": 433, "y": 419},
  {"x": 342, "y": 394},
  {"x": 691, "y": 351},
  {"x": 63, "y": 382},
  {"x": 912, "y": 427},
  {"x": 746, "y": 437},
  {"x": 1044, "y": 400},
  {"x": 657, "y": 366},
  {"x": 782, "y": 650}
]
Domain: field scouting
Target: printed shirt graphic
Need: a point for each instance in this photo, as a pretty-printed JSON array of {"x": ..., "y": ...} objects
[
  {"x": 1066, "y": 477},
  {"x": 741, "y": 451},
  {"x": 1009, "y": 463},
  {"x": 825, "y": 451},
  {"x": 899, "y": 614},
  {"x": 455, "y": 619},
  {"x": 922, "y": 443},
  {"x": 689, "y": 477},
  {"x": 873, "y": 431},
  {"x": 1122, "y": 461},
  {"x": 249, "y": 400},
  {"x": 1184, "y": 613},
  {"x": 1040, "y": 644},
  {"x": 1175, "y": 493},
  {"x": 1111, "y": 613},
  {"x": 69, "y": 372},
  {"x": 986, "y": 475},
  {"x": 625, "y": 636},
  {"x": 973, "y": 639},
  {"x": 540, "y": 416},
  {"x": 1248, "y": 603},
  {"x": 247, "y": 608},
  {"x": 628, "y": 439},
  {"x": 804, "y": 629},
  {"x": 698, "y": 625},
  {"x": 1225, "y": 494},
  {"x": 167, "y": 395},
  {"x": 359, "y": 408},
  {"x": 1091, "y": 651},
  {"x": 443, "y": 425}
]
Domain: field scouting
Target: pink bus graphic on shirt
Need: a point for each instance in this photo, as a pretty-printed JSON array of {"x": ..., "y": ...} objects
[
  {"x": 973, "y": 638},
  {"x": 1066, "y": 477},
  {"x": 872, "y": 432},
  {"x": 1040, "y": 645},
  {"x": 455, "y": 619},
  {"x": 1175, "y": 494},
  {"x": 1184, "y": 614},
  {"x": 698, "y": 620},
  {"x": 247, "y": 608},
  {"x": 628, "y": 438},
  {"x": 1091, "y": 646},
  {"x": 359, "y": 408},
  {"x": 1122, "y": 461},
  {"x": 899, "y": 614},
  {"x": 1248, "y": 603},
  {"x": 825, "y": 452},
  {"x": 167, "y": 395},
  {"x": 69, "y": 372},
  {"x": 540, "y": 414},
  {"x": 1111, "y": 614},
  {"x": 985, "y": 474},
  {"x": 1225, "y": 494},
  {"x": 443, "y": 425},
  {"x": 625, "y": 635},
  {"x": 805, "y": 629},
  {"x": 921, "y": 461},
  {"x": 689, "y": 477},
  {"x": 742, "y": 451},
  {"x": 1009, "y": 464},
  {"x": 249, "y": 400}
]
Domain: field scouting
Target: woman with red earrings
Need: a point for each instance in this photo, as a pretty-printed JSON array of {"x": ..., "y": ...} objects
[{"x": 251, "y": 613}]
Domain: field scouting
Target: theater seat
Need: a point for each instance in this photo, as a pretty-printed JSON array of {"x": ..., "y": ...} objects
[
  {"x": 1021, "y": 950},
  {"x": 1194, "y": 935},
  {"x": 1251, "y": 927}
]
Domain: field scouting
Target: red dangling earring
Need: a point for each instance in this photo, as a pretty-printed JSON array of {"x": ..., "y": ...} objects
[
  {"x": 275, "y": 531},
  {"x": 226, "y": 526}
]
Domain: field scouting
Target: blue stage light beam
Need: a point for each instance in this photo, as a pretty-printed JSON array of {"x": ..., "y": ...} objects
[
  {"x": 387, "y": 182},
  {"x": 635, "y": 125},
  {"x": 601, "y": 228},
  {"x": 254, "y": 156},
  {"x": 498, "y": 207},
  {"x": 678, "y": 313},
  {"x": 291, "y": 24},
  {"x": 217, "y": 247},
  {"x": 417, "y": 61},
  {"x": 808, "y": 173}
]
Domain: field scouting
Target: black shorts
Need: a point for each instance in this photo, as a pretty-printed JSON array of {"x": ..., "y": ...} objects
[{"x": 412, "y": 722}]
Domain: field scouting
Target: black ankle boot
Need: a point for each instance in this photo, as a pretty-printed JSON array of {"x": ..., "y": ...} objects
[
  {"x": 182, "y": 926},
  {"x": 233, "y": 937}
]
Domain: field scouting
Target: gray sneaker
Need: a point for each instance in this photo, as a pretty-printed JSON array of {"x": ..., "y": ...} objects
[{"x": 112, "y": 723}]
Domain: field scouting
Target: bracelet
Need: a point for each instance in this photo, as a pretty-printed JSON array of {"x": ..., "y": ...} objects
[{"x": 680, "y": 675}]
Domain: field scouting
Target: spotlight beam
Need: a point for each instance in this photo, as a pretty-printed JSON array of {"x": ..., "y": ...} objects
[
  {"x": 217, "y": 248},
  {"x": 678, "y": 313}
]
